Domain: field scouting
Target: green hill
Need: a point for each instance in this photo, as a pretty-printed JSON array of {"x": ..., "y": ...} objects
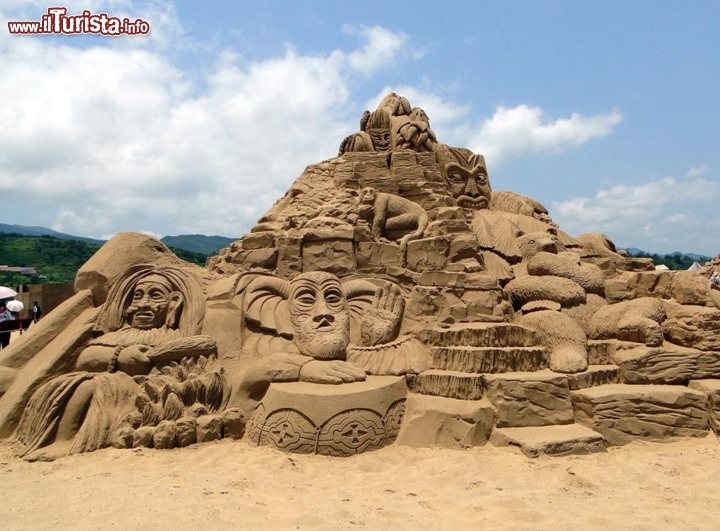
[
  {"x": 198, "y": 243},
  {"x": 676, "y": 261},
  {"x": 56, "y": 260},
  {"x": 44, "y": 231}
]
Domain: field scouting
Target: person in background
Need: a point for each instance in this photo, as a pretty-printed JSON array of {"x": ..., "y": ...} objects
[
  {"x": 36, "y": 312},
  {"x": 5, "y": 315}
]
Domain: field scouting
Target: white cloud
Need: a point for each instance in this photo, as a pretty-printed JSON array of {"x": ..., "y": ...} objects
[
  {"x": 665, "y": 212},
  {"x": 697, "y": 171},
  {"x": 524, "y": 129},
  {"x": 118, "y": 138},
  {"x": 381, "y": 48}
]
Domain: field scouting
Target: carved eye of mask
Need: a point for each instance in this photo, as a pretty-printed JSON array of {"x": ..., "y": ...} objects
[
  {"x": 482, "y": 179},
  {"x": 155, "y": 294},
  {"x": 305, "y": 299},
  {"x": 531, "y": 242},
  {"x": 456, "y": 178},
  {"x": 334, "y": 298}
]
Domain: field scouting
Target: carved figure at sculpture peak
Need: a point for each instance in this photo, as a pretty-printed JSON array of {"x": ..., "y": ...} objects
[{"x": 394, "y": 125}]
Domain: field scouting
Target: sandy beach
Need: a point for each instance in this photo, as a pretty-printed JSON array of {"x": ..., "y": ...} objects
[{"x": 230, "y": 485}]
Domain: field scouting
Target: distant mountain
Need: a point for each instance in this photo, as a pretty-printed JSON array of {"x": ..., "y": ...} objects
[
  {"x": 55, "y": 259},
  {"x": 198, "y": 243},
  {"x": 195, "y": 243},
  {"x": 43, "y": 231},
  {"x": 634, "y": 251},
  {"x": 697, "y": 257}
]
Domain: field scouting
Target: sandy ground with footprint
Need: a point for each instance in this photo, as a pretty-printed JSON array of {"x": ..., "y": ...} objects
[{"x": 230, "y": 485}]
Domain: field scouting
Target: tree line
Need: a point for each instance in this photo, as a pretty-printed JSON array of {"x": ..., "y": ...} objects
[{"x": 56, "y": 260}]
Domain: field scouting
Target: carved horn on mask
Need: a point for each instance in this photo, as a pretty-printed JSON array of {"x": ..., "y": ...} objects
[
  {"x": 265, "y": 304},
  {"x": 358, "y": 288}
]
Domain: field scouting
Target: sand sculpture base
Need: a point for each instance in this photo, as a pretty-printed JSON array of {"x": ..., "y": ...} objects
[{"x": 337, "y": 420}]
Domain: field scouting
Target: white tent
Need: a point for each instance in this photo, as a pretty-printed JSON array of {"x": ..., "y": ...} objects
[{"x": 695, "y": 267}]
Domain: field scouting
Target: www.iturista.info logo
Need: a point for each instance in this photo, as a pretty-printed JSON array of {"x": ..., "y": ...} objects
[{"x": 57, "y": 21}]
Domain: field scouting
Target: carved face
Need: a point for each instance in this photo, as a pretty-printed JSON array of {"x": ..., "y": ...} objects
[
  {"x": 153, "y": 298},
  {"x": 319, "y": 315},
  {"x": 380, "y": 138},
  {"x": 536, "y": 242},
  {"x": 368, "y": 195},
  {"x": 378, "y": 127},
  {"x": 469, "y": 187}
]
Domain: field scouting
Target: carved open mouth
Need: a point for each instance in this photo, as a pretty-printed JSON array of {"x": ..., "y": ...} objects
[
  {"x": 473, "y": 202},
  {"x": 143, "y": 317}
]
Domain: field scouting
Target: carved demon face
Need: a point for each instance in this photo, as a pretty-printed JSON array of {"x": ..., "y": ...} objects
[
  {"x": 469, "y": 186},
  {"x": 152, "y": 300},
  {"x": 378, "y": 128},
  {"x": 319, "y": 315}
]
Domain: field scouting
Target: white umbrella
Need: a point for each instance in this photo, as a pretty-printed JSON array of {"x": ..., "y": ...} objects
[
  {"x": 6, "y": 293},
  {"x": 14, "y": 306}
]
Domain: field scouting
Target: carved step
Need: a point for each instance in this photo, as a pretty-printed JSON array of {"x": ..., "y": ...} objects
[
  {"x": 550, "y": 440},
  {"x": 488, "y": 359},
  {"x": 623, "y": 412},
  {"x": 445, "y": 422},
  {"x": 594, "y": 375},
  {"x": 601, "y": 351},
  {"x": 450, "y": 384},
  {"x": 479, "y": 335},
  {"x": 711, "y": 388},
  {"x": 667, "y": 364},
  {"x": 529, "y": 398}
]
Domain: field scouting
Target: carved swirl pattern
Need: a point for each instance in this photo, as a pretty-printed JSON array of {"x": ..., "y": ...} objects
[
  {"x": 290, "y": 431},
  {"x": 393, "y": 420},
  {"x": 352, "y": 432},
  {"x": 348, "y": 433},
  {"x": 254, "y": 428}
]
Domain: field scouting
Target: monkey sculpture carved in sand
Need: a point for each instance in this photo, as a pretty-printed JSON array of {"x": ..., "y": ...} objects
[{"x": 389, "y": 213}]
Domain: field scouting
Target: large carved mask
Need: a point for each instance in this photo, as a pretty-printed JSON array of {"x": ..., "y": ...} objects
[
  {"x": 466, "y": 177},
  {"x": 150, "y": 297},
  {"x": 154, "y": 304},
  {"x": 314, "y": 309},
  {"x": 319, "y": 315}
]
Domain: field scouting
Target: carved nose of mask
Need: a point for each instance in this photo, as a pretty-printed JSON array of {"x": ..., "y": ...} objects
[
  {"x": 324, "y": 320},
  {"x": 472, "y": 189}
]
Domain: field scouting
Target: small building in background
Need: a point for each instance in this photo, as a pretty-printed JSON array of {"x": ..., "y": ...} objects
[
  {"x": 48, "y": 296},
  {"x": 27, "y": 271}
]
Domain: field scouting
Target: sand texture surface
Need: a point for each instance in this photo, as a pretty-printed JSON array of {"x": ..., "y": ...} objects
[{"x": 229, "y": 485}]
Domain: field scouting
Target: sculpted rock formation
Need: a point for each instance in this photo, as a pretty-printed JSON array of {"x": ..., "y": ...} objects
[{"x": 391, "y": 296}]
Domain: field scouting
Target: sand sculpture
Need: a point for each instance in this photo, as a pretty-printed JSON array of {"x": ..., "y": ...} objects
[{"x": 392, "y": 296}]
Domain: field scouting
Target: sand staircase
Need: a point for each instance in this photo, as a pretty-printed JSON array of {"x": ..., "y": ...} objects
[{"x": 500, "y": 367}]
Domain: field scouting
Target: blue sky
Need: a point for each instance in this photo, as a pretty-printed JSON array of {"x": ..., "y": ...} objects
[{"x": 606, "y": 112}]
